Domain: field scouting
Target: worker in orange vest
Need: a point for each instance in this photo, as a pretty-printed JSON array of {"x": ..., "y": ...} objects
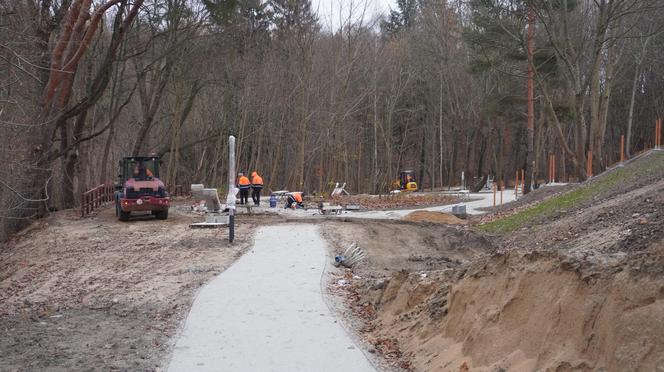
[
  {"x": 294, "y": 200},
  {"x": 244, "y": 185},
  {"x": 256, "y": 187}
]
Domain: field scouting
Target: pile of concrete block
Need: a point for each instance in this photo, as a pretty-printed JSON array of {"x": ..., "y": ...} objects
[{"x": 208, "y": 195}]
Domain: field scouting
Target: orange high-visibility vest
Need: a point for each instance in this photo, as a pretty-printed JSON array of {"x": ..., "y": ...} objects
[
  {"x": 297, "y": 196},
  {"x": 256, "y": 180},
  {"x": 244, "y": 181}
]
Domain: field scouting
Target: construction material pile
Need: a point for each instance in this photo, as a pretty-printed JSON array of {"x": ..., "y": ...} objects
[{"x": 351, "y": 256}]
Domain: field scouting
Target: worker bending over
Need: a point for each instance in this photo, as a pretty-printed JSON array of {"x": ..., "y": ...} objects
[
  {"x": 294, "y": 200},
  {"x": 256, "y": 187},
  {"x": 244, "y": 185}
]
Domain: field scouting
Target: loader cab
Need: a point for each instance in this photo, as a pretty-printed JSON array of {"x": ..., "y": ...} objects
[
  {"x": 407, "y": 180},
  {"x": 139, "y": 168}
]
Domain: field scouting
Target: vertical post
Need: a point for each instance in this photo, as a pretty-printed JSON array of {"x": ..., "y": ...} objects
[
  {"x": 622, "y": 148},
  {"x": 494, "y": 194},
  {"x": 502, "y": 187},
  {"x": 516, "y": 185},
  {"x": 523, "y": 182},
  {"x": 553, "y": 168},
  {"x": 656, "y": 130},
  {"x": 589, "y": 164},
  {"x": 230, "y": 197}
]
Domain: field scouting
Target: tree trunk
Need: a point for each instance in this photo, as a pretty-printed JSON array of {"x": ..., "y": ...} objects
[
  {"x": 632, "y": 100},
  {"x": 531, "y": 102}
]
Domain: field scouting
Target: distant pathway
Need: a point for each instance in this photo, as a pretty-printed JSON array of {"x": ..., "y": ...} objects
[
  {"x": 266, "y": 312},
  {"x": 476, "y": 202}
]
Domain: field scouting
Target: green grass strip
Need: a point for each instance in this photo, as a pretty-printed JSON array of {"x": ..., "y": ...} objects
[{"x": 576, "y": 197}]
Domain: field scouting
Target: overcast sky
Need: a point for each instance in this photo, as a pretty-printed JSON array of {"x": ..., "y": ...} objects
[{"x": 329, "y": 10}]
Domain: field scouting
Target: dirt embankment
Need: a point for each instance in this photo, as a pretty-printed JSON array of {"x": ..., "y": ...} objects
[
  {"x": 525, "y": 313},
  {"x": 576, "y": 284},
  {"x": 78, "y": 294}
]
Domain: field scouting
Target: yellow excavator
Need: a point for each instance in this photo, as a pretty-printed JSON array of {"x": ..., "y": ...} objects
[{"x": 406, "y": 181}]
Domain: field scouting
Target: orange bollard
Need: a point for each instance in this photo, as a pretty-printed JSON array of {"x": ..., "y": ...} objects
[
  {"x": 553, "y": 169},
  {"x": 523, "y": 181},
  {"x": 622, "y": 148}
]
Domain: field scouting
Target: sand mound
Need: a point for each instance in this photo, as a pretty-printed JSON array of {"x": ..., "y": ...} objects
[{"x": 435, "y": 217}]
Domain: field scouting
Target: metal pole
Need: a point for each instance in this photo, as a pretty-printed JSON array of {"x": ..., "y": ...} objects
[{"x": 230, "y": 198}]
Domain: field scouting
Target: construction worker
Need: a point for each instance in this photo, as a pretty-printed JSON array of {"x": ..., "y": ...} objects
[
  {"x": 244, "y": 185},
  {"x": 256, "y": 187},
  {"x": 294, "y": 200}
]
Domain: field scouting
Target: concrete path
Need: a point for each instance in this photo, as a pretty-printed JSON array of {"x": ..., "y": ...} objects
[
  {"x": 266, "y": 312},
  {"x": 476, "y": 202}
]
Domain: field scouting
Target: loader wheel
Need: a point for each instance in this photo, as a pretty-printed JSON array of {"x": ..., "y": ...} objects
[
  {"x": 122, "y": 215},
  {"x": 161, "y": 215}
]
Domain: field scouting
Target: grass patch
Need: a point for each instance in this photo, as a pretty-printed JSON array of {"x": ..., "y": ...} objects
[{"x": 575, "y": 198}]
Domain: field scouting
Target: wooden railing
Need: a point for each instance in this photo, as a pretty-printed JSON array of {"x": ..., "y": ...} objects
[{"x": 96, "y": 198}]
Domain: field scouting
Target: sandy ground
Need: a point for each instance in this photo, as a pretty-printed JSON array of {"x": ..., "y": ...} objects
[
  {"x": 84, "y": 294},
  {"x": 77, "y": 294},
  {"x": 577, "y": 289}
]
